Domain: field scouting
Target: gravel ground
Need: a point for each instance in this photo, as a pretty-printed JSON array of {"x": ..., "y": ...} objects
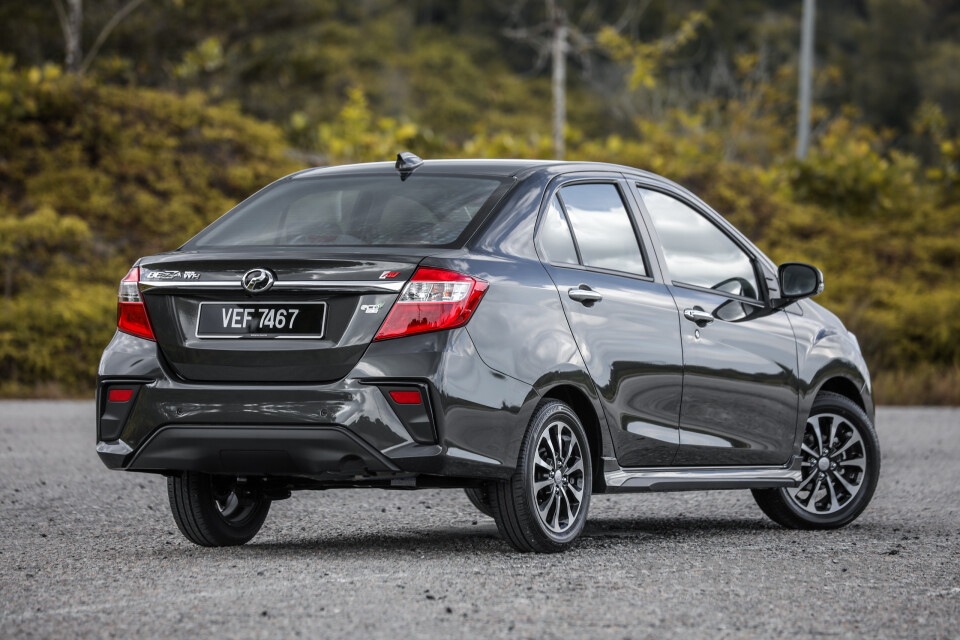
[{"x": 90, "y": 552}]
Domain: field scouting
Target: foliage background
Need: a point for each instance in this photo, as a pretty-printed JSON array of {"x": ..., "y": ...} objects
[{"x": 191, "y": 106}]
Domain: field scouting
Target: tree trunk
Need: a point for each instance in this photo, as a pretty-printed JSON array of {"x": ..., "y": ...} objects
[
  {"x": 558, "y": 52},
  {"x": 71, "y": 24},
  {"x": 74, "y": 30}
]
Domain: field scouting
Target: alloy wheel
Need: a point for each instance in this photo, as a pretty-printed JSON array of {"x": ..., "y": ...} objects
[
  {"x": 834, "y": 465},
  {"x": 558, "y": 477}
]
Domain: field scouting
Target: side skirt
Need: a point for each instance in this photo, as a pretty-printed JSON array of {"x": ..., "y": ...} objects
[{"x": 619, "y": 480}]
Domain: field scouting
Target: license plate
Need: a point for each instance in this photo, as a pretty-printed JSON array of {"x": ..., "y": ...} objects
[{"x": 263, "y": 320}]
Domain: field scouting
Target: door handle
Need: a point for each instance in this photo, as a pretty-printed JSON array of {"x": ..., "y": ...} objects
[
  {"x": 699, "y": 316},
  {"x": 584, "y": 294}
]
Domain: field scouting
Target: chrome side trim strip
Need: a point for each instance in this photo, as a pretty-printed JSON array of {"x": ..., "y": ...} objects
[
  {"x": 339, "y": 284},
  {"x": 211, "y": 284},
  {"x": 336, "y": 285},
  {"x": 676, "y": 478}
]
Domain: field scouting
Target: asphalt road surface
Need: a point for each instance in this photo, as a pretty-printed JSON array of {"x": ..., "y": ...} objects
[{"x": 90, "y": 552}]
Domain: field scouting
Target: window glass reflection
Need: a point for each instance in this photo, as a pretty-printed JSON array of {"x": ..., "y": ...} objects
[
  {"x": 555, "y": 238},
  {"x": 696, "y": 251},
  {"x": 602, "y": 227}
]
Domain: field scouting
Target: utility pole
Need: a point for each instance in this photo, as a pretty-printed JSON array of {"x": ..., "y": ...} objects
[{"x": 806, "y": 78}]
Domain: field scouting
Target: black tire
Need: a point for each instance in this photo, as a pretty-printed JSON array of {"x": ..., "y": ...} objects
[
  {"x": 516, "y": 503},
  {"x": 210, "y": 512},
  {"x": 480, "y": 498},
  {"x": 789, "y": 511}
]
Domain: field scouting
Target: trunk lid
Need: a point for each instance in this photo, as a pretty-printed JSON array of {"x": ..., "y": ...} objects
[{"x": 345, "y": 296}]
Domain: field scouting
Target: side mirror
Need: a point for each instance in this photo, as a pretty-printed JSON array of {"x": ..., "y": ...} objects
[{"x": 798, "y": 280}]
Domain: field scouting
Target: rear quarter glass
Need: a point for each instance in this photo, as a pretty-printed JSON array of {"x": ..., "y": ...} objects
[{"x": 368, "y": 210}]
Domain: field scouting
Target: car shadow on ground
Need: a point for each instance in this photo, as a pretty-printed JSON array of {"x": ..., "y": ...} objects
[{"x": 483, "y": 538}]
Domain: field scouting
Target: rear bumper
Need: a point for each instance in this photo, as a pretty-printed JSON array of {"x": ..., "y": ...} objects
[
  {"x": 470, "y": 425},
  {"x": 294, "y": 451}
]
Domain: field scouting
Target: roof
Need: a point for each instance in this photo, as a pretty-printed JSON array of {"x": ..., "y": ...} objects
[
  {"x": 503, "y": 167},
  {"x": 495, "y": 167}
]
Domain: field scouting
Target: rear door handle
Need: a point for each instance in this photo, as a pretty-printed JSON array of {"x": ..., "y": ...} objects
[
  {"x": 584, "y": 294},
  {"x": 699, "y": 316}
]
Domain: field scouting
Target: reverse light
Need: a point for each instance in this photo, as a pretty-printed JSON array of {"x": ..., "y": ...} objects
[
  {"x": 131, "y": 312},
  {"x": 433, "y": 299}
]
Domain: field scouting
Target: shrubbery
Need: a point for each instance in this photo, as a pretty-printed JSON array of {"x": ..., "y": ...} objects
[{"x": 93, "y": 176}]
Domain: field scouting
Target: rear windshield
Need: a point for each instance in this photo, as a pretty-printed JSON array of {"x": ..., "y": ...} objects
[{"x": 355, "y": 210}]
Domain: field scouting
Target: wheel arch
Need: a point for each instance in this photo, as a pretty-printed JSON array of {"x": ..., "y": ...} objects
[
  {"x": 584, "y": 407},
  {"x": 845, "y": 387}
]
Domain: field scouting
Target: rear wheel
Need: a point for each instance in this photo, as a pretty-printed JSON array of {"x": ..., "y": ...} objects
[
  {"x": 543, "y": 507},
  {"x": 840, "y": 469},
  {"x": 480, "y": 498},
  {"x": 215, "y": 511}
]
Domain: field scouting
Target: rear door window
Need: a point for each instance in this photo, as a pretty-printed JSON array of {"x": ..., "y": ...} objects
[
  {"x": 555, "y": 238},
  {"x": 602, "y": 228}
]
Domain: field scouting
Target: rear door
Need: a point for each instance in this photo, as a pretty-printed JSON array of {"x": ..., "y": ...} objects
[
  {"x": 740, "y": 389},
  {"x": 623, "y": 318}
]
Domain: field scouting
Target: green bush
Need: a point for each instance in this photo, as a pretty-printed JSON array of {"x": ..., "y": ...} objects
[{"x": 92, "y": 177}]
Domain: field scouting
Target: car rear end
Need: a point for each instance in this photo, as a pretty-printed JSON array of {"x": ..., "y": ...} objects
[{"x": 313, "y": 333}]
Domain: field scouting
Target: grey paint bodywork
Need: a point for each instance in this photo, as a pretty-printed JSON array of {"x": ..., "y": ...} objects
[{"x": 485, "y": 379}]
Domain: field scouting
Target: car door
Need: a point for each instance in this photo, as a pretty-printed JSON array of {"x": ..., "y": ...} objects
[
  {"x": 740, "y": 389},
  {"x": 624, "y": 319}
]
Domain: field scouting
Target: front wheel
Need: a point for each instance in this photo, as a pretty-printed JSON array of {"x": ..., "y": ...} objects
[
  {"x": 543, "y": 507},
  {"x": 215, "y": 511},
  {"x": 840, "y": 469}
]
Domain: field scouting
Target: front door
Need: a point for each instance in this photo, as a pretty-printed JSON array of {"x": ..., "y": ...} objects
[
  {"x": 625, "y": 322},
  {"x": 740, "y": 389}
]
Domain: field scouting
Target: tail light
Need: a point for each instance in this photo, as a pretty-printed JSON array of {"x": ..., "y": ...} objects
[
  {"x": 434, "y": 299},
  {"x": 131, "y": 312}
]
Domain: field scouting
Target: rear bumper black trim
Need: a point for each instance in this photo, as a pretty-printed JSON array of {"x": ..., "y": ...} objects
[{"x": 312, "y": 451}]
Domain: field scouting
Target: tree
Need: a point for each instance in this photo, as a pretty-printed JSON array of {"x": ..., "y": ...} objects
[
  {"x": 558, "y": 36},
  {"x": 71, "y": 24}
]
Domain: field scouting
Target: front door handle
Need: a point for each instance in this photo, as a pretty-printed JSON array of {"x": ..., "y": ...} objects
[
  {"x": 699, "y": 316},
  {"x": 584, "y": 294}
]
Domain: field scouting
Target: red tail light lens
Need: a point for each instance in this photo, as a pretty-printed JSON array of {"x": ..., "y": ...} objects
[
  {"x": 434, "y": 299},
  {"x": 131, "y": 313}
]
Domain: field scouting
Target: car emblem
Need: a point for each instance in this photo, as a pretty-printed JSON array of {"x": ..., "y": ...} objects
[
  {"x": 389, "y": 274},
  {"x": 257, "y": 280}
]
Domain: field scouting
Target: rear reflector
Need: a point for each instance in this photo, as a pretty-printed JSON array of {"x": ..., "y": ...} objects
[
  {"x": 131, "y": 313},
  {"x": 120, "y": 395},
  {"x": 406, "y": 397},
  {"x": 433, "y": 300}
]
